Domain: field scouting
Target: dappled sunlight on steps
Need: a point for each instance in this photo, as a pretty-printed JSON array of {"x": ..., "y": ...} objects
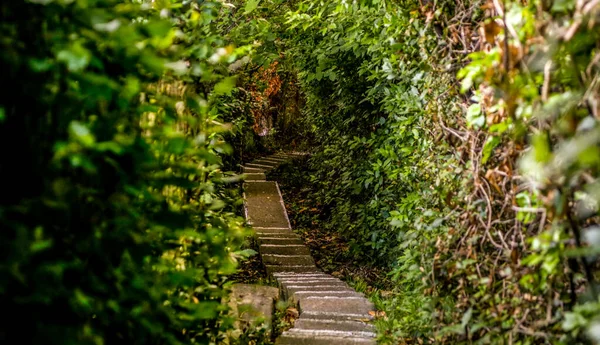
[{"x": 331, "y": 312}]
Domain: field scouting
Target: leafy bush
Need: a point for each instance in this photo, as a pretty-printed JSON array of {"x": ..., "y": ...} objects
[{"x": 117, "y": 224}]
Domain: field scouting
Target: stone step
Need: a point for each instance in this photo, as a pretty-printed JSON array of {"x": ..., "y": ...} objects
[
  {"x": 311, "y": 339},
  {"x": 337, "y": 325},
  {"x": 359, "y": 305},
  {"x": 259, "y": 166},
  {"x": 255, "y": 177},
  {"x": 274, "y": 269},
  {"x": 308, "y": 280},
  {"x": 267, "y": 164},
  {"x": 297, "y": 293},
  {"x": 334, "y": 315},
  {"x": 271, "y": 160},
  {"x": 287, "y": 260},
  {"x": 300, "y": 275},
  {"x": 248, "y": 170},
  {"x": 284, "y": 249},
  {"x": 280, "y": 240},
  {"x": 275, "y": 231},
  {"x": 264, "y": 206},
  {"x": 311, "y": 282},
  {"x": 333, "y": 333}
]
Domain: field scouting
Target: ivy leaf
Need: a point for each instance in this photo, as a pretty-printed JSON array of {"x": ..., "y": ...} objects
[{"x": 475, "y": 118}]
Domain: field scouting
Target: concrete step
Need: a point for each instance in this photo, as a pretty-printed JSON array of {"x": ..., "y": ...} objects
[
  {"x": 299, "y": 275},
  {"x": 249, "y": 170},
  {"x": 275, "y": 231},
  {"x": 308, "y": 280},
  {"x": 284, "y": 249},
  {"x": 341, "y": 305},
  {"x": 299, "y": 295},
  {"x": 259, "y": 166},
  {"x": 271, "y": 160},
  {"x": 279, "y": 240},
  {"x": 287, "y": 260},
  {"x": 255, "y": 177},
  {"x": 273, "y": 269},
  {"x": 288, "y": 338},
  {"x": 333, "y": 333},
  {"x": 264, "y": 206},
  {"x": 266, "y": 163},
  {"x": 336, "y": 325}
]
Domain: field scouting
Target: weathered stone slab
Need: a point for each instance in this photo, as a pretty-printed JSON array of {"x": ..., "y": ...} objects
[
  {"x": 272, "y": 269},
  {"x": 255, "y": 177},
  {"x": 248, "y": 170},
  {"x": 284, "y": 249},
  {"x": 259, "y": 166},
  {"x": 311, "y": 283},
  {"x": 287, "y": 260},
  {"x": 264, "y": 207},
  {"x": 332, "y": 306},
  {"x": 266, "y": 163},
  {"x": 300, "y": 275},
  {"x": 280, "y": 240},
  {"x": 296, "y": 293},
  {"x": 274, "y": 230},
  {"x": 253, "y": 305},
  {"x": 339, "y": 325},
  {"x": 271, "y": 160},
  {"x": 333, "y": 333},
  {"x": 313, "y": 280},
  {"x": 309, "y": 339},
  {"x": 341, "y": 293}
]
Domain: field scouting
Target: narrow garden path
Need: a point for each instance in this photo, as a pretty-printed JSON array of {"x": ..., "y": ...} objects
[{"x": 331, "y": 312}]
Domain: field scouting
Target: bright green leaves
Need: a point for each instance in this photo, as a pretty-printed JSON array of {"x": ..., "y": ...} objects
[
  {"x": 76, "y": 57},
  {"x": 224, "y": 86},
  {"x": 475, "y": 117},
  {"x": 250, "y": 6},
  {"x": 122, "y": 177},
  {"x": 80, "y": 133},
  {"x": 488, "y": 148},
  {"x": 482, "y": 65}
]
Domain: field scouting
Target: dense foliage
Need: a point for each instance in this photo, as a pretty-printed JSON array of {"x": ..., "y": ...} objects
[
  {"x": 455, "y": 148},
  {"x": 117, "y": 227}
]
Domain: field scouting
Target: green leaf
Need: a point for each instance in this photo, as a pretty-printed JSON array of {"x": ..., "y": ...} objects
[
  {"x": 75, "y": 57},
  {"x": 466, "y": 318},
  {"x": 488, "y": 148},
  {"x": 251, "y": 5},
  {"x": 246, "y": 253},
  {"x": 225, "y": 86},
  {"x": 80, "y": 133},
  {"x": 475, "y": 118}
]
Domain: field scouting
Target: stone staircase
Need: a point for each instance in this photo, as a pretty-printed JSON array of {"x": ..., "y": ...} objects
[{"x": 331, "y": 313}]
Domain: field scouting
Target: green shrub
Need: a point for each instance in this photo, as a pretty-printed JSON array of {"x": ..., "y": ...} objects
[{"x": 117, "y": 227}]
